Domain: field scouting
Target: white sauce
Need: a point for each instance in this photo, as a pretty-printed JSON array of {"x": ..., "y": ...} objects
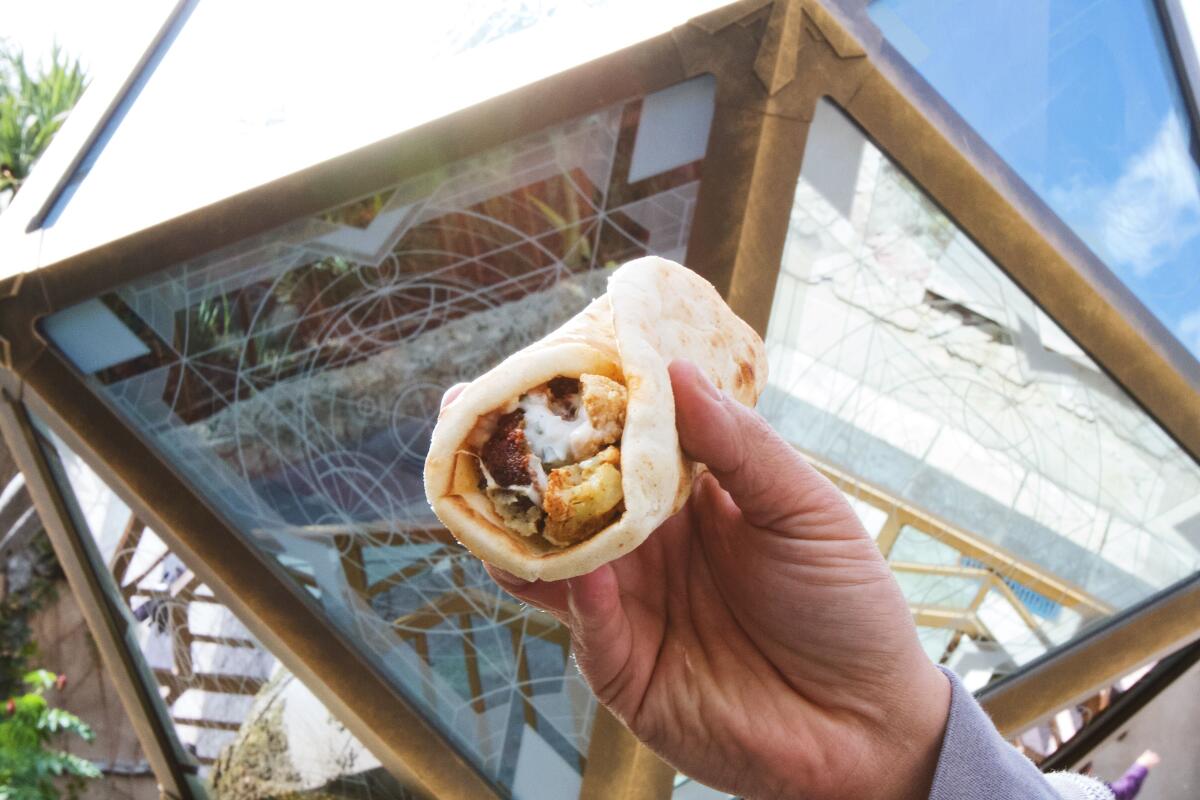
[
  {"x": 585, "y": 437},
  {"x": 551, "y": 438}
]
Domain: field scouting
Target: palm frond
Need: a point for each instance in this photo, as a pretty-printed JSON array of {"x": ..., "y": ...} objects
[{"x": 32, "y": 109}]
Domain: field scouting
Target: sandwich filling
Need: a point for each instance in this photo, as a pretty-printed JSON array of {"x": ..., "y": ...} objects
[{"x": 550, "y": 460}]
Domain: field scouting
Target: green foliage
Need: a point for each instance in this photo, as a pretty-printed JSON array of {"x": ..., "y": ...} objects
[
  {"x": 32, "y": 109},
  {"x": 29, "y": 768}
]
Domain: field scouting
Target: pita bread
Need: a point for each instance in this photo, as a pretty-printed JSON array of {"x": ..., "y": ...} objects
[{"x": 655, "y": 311}]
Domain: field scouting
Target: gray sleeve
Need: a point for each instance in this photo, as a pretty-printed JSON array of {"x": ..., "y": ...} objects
[
  {"x": 977, "y": 764},
  {"x": 1073, "y": 786}
]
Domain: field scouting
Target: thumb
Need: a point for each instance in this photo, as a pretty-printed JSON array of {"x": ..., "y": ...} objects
[{"x": 773, "y": 486}]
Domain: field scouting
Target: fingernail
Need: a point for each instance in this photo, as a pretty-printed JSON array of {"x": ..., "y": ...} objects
[
  {"x": 452, "y": 394},
  {"x": 571, "y": 598},
  {"x": 508, "y": 578}
]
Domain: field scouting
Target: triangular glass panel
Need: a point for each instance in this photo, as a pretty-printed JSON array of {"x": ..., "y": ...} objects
[
  {"x": 1020, "y": 495},
  {"x": 1082, "y": 101}
]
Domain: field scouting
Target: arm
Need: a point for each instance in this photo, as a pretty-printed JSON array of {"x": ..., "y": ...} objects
[
  {"x": 976, "y": 764},
  {"x": 758, "y": 641},
  {"x": 1129, "y": 784}
]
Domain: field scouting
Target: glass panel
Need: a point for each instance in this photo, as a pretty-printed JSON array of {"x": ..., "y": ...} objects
[
  {"x": 1029, "y": 498},
  {"x": 250, "y": 725},
  {"x": 916, "y": 547},
  {"x": 688, "y": 789},
  {"x": 872, "y": 518},
  {"x": 673, "y": 128},
  {"x": 93, "y": 338},
  {"x": 294, "y": 379},
  {"x": 1082, "y": 101},
  {"x": 938, "y": 590},
  {"x": 934, "y": 641},
  {"x": 300, "y": 83}
]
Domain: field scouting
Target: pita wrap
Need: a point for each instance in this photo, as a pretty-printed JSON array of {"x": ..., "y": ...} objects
[{"x": 655, "y": 311}]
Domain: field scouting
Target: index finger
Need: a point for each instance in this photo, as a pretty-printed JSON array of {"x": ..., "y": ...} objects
[{"x": 451, "y": 393}]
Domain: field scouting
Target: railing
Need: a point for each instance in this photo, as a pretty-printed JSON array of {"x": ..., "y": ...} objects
[
  {"x": 166, "y": 603},
  {"x": 996, "y": 572}
]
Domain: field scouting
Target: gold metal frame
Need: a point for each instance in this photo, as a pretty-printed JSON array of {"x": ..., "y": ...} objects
[
  {"x": 1162, "y": 624},
  {"x": 170, "y": 762},
  {"x": 773, "y": 61},
  {"x": 184, "y": 673},
  {"x": 620, "y": 767}
]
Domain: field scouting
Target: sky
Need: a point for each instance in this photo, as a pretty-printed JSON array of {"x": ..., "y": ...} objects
[{"x": 1078, "y": 97}]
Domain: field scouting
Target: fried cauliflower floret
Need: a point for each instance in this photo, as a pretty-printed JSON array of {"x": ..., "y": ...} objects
[
  {"x": 574, "y": 424},
  {"x": 603, "y": 402},
  {"x": 582, "y": 498}
]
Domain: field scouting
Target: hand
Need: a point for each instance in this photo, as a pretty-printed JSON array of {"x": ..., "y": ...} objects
[
  {"x": 757, "y": 640},
  {"x": 1149, "y": 759}
]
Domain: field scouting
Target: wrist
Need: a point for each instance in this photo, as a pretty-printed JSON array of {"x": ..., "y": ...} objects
[
  {"x": 893, "y": 756},
  {"x": 916, "y": 738}
]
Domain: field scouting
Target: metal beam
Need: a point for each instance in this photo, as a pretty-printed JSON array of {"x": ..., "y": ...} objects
[
  {"x": 948, "y": 570},
  {"x": 959, "y": 619},
  {"x": 1124, "y": 708},
  {"x": 889, "y": 533},
  {"x": 265, "y": 601},
  {"x": 112, "y": 110},
  {"x": 973, "y": 545},
  {"x": 619, "y": 767},
  {"x": 20, "y": 237},
  {"x": 107, "y": 625},
  {"x": 1181, "y": 47},
  {"x": 1161, "y": 624}
]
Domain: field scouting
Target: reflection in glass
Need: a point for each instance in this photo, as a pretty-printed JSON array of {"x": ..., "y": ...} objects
[
  {"x": 687, "y": 789},
  {"x": 1018, "y": 493},
  {"x": 247, "y": 723},
  {"x": 383, "y": 68},
  {"x": 294, "y": 379},
  {"x": 1082, "y": 101}
]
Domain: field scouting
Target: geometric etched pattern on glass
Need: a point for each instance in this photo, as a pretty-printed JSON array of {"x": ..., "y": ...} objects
[
  {"x": 251, "y": 726},
  {"x": 1021, "y": 495},
  {"x": 294, "y": 380}
]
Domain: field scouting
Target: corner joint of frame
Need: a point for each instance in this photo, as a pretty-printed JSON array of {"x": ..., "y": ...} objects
[
  {"x": 21, "y": 302},
  {"x": 822, "y": 23}
]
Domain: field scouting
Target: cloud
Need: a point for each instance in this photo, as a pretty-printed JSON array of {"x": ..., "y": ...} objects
[
  {"x": 1146, "y": 216},
  {"x": 1189, "y": 331}
]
